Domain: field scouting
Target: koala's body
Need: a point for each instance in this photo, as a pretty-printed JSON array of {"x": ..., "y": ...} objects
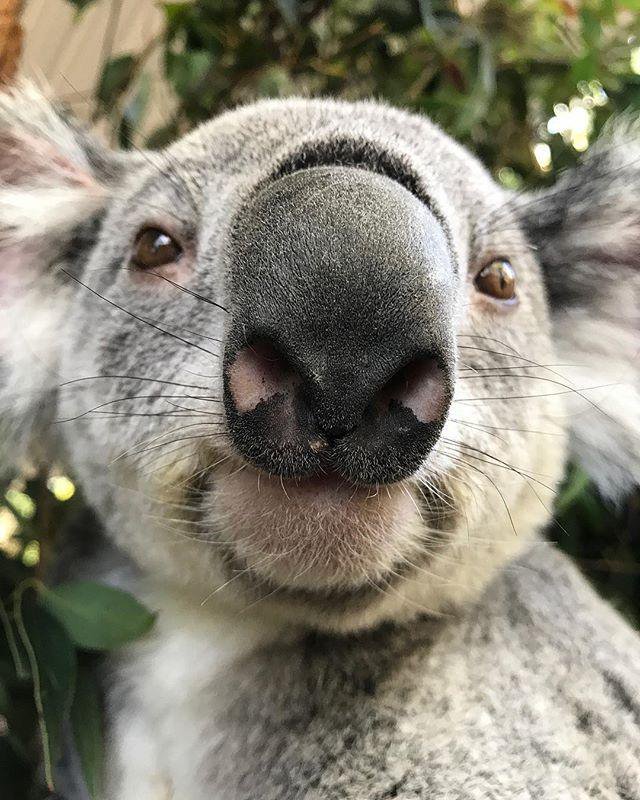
[{"x": 318, "y": 377}]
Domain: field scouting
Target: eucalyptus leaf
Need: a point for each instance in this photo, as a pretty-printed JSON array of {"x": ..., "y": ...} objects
[
  {"x": 136, "y": 107},
  {"x": 87, "y": 727},
  {"x": 186, "y": 70},
  {"x": 133, "y": 112},
  {"x": 575, "y": 488},
  {"x": 429, "y": 19},
  {"x": 163, "y": 136},
  {"x": 116, "y": 78},
  {"x": 176, "y": 14},
  {"x": 52, "y": 659},
  {"x": 591, "y": 27},
  {"x": 4, "y": 698},
  {"x": 289, "y": 10},
  {"x": 97, "y": 617},
  {"x": 80, "y": 5},
  {"x": 12, "y": 644},
  {"x": 583, "y": 69}
]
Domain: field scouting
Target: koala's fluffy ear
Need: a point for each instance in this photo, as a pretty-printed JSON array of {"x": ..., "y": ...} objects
[
  {"x": 586, "y": 230},
  {"x": 53, "y": 181}
]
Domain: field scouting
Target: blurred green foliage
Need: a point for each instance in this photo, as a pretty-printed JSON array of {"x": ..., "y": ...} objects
[
  {"x": 526, "y": 85},
  {"x": 49, "y": 641},
  {"x": 489, "y": 71}
]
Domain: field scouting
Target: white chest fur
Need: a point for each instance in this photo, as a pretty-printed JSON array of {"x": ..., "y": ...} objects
[{"x": 167, "y": 694}]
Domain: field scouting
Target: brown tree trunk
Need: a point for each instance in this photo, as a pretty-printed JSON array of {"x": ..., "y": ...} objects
[{"x": 10, "y": 38}]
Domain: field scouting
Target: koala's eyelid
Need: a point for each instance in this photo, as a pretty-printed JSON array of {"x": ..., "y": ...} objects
[
  {"x": 488, "y": 258},
  {"x": 142, "y": 208},
  {"x": 182, "y": 230}
]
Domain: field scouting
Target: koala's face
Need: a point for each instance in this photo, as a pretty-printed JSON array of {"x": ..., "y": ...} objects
[{"x": 306, "y": 360}]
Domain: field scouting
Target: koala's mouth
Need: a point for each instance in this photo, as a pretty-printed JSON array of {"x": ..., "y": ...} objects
[{"x": 318, "y": 534}]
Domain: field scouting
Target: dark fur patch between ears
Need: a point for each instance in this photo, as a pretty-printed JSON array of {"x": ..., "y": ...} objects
[{"x": 353, "y": 152}]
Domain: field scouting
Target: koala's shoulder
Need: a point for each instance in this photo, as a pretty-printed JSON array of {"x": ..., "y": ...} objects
[{"x": 539, "y": 672}]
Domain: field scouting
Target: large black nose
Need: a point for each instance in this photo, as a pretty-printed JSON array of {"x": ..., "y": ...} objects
[{"x": 340, "y": 351}]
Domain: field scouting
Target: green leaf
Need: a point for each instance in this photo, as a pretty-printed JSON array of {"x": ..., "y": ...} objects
[
  {"x": 87, "y": 726},
  {"x": 4, "y": 698},
  {"x": 176, "y": 15},
  {"x": 163, "y": 136},
  {"x": 97, "y": 617},
  {"x": 477, "y": 102},
  {"x": 133, "y": 113},
  {"x": 80, "y": 5},
  {"x": 575, "y": 488},
  {"x": 12, "y": 644},
  {"x": 585, "y": 68},
  {"x": 591, "y": 27},
  {"x": 289, "y": 10},
  {"x": 186, "y": 70},
  {"x": 52, "y": 659},
  {"x": 429, "y": 20},
  {"x": 136, "y": 107},
  {"x": 115, "y": 79}
]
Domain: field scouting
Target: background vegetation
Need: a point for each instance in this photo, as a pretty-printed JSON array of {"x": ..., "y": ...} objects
[{"x": 526, "y": 84}]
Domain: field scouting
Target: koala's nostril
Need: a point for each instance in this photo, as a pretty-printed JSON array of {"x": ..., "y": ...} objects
[
  {"x": 289, "y": 422},
  {"x": 258, "y": 373},
  {"x": 420, "y": 386}
]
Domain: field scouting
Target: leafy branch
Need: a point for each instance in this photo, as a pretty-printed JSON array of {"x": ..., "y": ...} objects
[{"x": 58, "y": 629}]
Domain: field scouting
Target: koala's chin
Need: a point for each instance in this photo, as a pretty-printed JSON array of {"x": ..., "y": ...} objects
[{"x": 318, "y": 533}]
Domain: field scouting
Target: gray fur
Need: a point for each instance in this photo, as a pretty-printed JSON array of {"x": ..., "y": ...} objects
[
  {"x": 412, "y": 642},
  {"x": 587, "y": 229},
  {"x": 488, "y": 704}
]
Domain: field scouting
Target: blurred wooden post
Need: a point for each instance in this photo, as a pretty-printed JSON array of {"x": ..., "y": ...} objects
[{"x": 10, "y": 39}]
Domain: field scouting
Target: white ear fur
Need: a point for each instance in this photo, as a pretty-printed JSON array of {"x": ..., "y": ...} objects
[
  {"x": 37, "y": 212},
  {"x": 47, "y": 189},
  {"x": 605, "y": 409},
  {"x": 29, "y": 345},
  {"x": 46, "y": 182},
  {"x": 25, "y": 110}
]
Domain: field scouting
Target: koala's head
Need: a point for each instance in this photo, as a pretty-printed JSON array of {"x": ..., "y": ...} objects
[{"x": 311, "y": 358}]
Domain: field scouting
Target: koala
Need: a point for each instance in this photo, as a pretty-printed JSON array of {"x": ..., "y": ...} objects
[{"x": 318, "y": 376}]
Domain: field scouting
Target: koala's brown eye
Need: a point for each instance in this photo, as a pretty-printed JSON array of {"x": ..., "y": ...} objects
[
  {"x": 154, "y": 248},
  {"x": 497, "y": 279}
]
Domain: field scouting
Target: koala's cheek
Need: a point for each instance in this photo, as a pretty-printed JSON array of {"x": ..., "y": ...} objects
[{"x": 318, "y": 533}]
